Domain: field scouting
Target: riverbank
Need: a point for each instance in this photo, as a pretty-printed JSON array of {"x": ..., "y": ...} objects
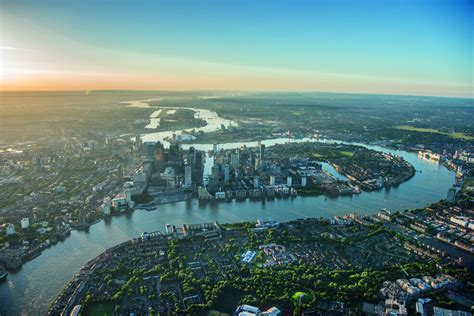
[
  {"x": 333, "y": 245},
  {"x": 327, "y": 193},
  {"x": 31, "y": 290}
]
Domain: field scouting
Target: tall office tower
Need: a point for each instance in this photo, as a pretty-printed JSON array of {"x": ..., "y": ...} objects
[
  {"x": 215, "y": 171},
  {"x": 155, "y": 152},
  {"x": 188, "y": 175},
  {"x": 106, "y": 205},
  {"x": 214, "y": 179},
  {"x": 150, "y": 151},
  {"x": 289, "y": 181},
  {"x": 235, "y": 159},
  {"x": 174, "y": 153},
  {"x": 451, "y": 197},
  {"x": 272, "y": 180},
  {"x": 214, "y": 149},
  {"x": 198, "y": 167},
  {"x": 192, "y": 155},
  {"x": 159, "y": 156},
  {"x": 255, "y": 182},
  {"x": 304, "y": 181},
  {"x": 258, "y": 163},
  {"x": 262, "y": 152},
  {"x": 226, "y": 173}
]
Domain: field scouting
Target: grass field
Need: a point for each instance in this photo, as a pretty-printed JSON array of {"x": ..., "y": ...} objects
[
  {"x": 347, "y": 153},
  {"x": 100, "y": 310},
  {"x": 434, "y": 131}
]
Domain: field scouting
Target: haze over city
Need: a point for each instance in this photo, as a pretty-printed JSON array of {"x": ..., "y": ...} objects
[{"x": 392, "y": 47}]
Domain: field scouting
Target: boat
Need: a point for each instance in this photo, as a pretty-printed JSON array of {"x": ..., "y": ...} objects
[{"x": 3, "y": 274}]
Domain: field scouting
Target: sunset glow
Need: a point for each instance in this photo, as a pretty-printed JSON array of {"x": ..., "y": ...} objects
[{"x": 184, "y": 45}]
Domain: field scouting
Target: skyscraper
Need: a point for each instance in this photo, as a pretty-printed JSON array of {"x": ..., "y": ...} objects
[
  {"x": 235, "y": 159},
  {"x": 187, "y": 174},
  {"x": 262, "y": 152},
  {"x": 226, "y": 173},
  {"x": 155, "y": 152}
]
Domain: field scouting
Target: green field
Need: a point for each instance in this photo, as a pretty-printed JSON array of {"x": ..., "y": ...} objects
[
  {"x": 434, "y": 131},
  {"x": 347, "y": 153},
  {"x": 100, "y": 309}
]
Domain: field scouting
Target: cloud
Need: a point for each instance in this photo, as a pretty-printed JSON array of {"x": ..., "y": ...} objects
[{"x": 14, "y": 48}]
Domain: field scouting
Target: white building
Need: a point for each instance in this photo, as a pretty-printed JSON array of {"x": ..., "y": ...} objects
[
  {"x": 385, "y": 215},
  {"x": 460, "y": 220},
  {"x": 106, "y": 206},
  {"x": 10, "y": 229},
  {"x": 304, "y": 181},
  {"x": 289, "y": 181},
  {"x": 25, "y": 223},
  {"x": 272, "y": 180},
  {"x": 128, "y": 194}
]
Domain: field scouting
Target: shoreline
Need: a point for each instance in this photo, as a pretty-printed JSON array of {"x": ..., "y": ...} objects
[{"x": 155, "y": 205}]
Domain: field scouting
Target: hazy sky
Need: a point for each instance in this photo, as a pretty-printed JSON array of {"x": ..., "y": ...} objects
[{"x": 382, "y": 46}]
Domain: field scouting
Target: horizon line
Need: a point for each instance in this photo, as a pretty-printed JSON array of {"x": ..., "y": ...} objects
[{"x": 230, "y": 90}]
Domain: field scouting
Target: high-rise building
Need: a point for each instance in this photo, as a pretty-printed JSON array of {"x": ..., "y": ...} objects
[
  {"x": 174, "y": 152},
  {"x": 192, "y": 155},
  {"x": 187, "y": 174},
  {"x": 255, "y": 182},
  {"x": 262, "y": 152},
  {"x": 289, "y": 181},
  {"x": 197, "y": 166},
  {"x": 272, "y": 180},
  {"x": 451, "y": 198},
  {"x": 159, "y": 156},
  {"x": 257, "y": 163},
  {"x": 215, "y": 171},
  {"x": 226, "y": 173},
  {"x": 11, "y": 229},
  {"x": 155, "y": 152},
  {"x": 304, "y": 181},
  {"x": 25, "y": 223},
  {"x": 235, "y": 159},
  {"x": 150, "y": 151},
  {"x": 214, "y": 149},
  {"x": 106, "y": 205}
]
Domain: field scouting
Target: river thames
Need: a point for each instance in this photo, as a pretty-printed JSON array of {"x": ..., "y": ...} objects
[{"x": 30, "y": 290}]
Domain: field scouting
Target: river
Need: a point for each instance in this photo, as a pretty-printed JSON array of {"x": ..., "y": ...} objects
[{"x": 30, "y": 290}]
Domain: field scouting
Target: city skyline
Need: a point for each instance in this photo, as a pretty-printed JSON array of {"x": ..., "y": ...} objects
[{"x": 394, "y": 47}]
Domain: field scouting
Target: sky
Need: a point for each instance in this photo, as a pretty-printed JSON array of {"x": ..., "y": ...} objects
[{"x": 416, "y": 47}]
